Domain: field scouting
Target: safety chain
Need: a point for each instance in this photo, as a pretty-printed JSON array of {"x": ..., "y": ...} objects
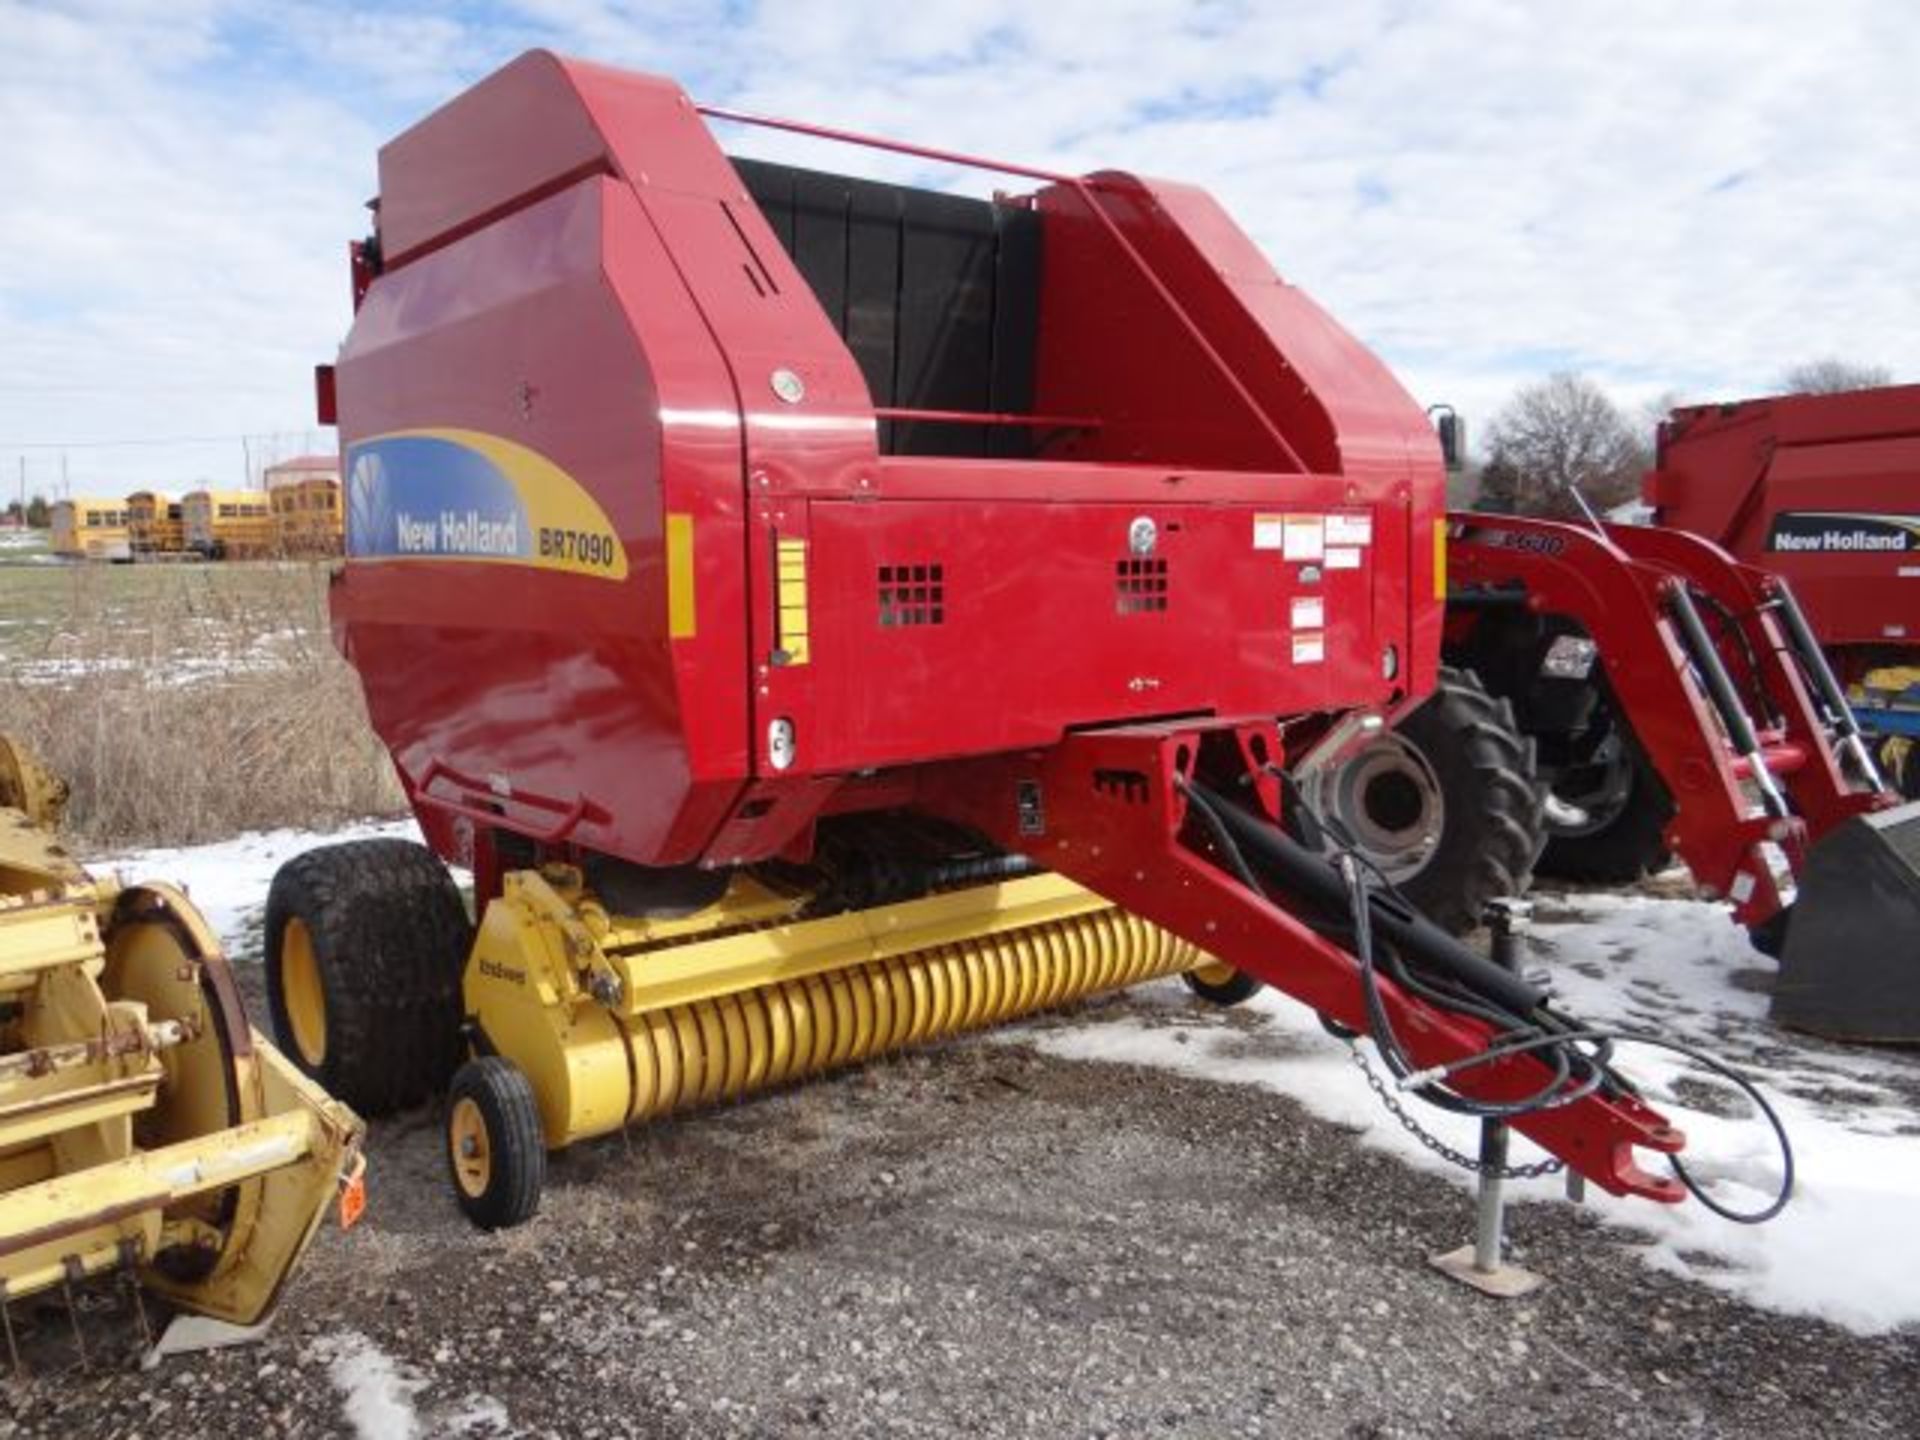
[{"x": 1436, "y": 1144}]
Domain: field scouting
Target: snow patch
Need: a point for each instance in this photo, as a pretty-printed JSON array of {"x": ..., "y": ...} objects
[
  {"x": 228, "y": 881},
  {"x": 376, "y": 1392}
]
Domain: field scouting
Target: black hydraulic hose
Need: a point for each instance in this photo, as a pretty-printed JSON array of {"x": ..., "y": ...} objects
[
  {"x": 1518, "y": 1045},
  {"x": 1730, "y": 623},
  {"x": 1813, "y": 660},
  {"x": 1713, "y": 670},
  {"x": 1380, "y": 1028},
  {"x": 1539, "y": 1030},
  {"x": 1296, "y": 869}
]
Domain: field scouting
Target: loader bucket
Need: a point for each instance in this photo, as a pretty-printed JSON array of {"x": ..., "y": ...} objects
[{"x": 1850, "y": 969}]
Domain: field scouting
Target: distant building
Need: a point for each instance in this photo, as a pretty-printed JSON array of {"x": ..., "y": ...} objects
[{"x": 305, "y": 495}]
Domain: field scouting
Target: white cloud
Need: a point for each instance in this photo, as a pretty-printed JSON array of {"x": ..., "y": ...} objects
[{"x": 1668, "y": 197}]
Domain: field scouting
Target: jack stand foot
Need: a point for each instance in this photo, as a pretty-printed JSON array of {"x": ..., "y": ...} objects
[
  {"x": 1480, "y": 1264},
  {"x": 1503, "y": 1281},
  {"x": 189, "y": 1334}
]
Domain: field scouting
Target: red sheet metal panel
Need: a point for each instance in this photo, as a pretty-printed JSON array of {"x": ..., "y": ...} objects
[{"x": 1823, "y": 489}]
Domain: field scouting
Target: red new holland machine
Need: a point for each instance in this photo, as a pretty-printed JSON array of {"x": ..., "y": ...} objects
[
  {"x": 826, "y": 614},
  {"x": 1825, "y": 491}
]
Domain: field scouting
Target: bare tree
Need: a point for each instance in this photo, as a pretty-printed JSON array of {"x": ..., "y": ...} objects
[
  {"x": 1561, "y": 433},
  {"x": 1830, "y": 375}
]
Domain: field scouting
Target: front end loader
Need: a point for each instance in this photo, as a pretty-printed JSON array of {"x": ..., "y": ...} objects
[
  {"x": 1673, "y": 704},
  {"x": 827, "y": 615},
  {"x": 146, "y": 1131}
]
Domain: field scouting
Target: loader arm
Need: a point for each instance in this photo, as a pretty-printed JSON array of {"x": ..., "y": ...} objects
[{"x": 1628, "y": 590}]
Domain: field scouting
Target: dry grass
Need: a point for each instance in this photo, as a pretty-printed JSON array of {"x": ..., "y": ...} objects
[{"x": 185, "y": 703}]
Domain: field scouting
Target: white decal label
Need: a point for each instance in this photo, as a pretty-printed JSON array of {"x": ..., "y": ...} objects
[
  {"x": 1342, "y": 557},
  {"x": 1309, "y": 649},
  {"x": 1309, "y": 612},
  {"x": 1305, "y": 538},
  {"x": 1350, "y": 529},
  {"x": 1269, "y": 532}
]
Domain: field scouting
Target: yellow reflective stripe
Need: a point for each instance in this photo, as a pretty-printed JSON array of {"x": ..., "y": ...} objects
[
  {"x": 791, "y": 582},
  {"x": 680, "y": 614},
  {"x": 1440, "y": 559}
]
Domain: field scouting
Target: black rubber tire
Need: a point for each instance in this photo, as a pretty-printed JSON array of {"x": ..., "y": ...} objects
[
  {"x": 1909, "y": 782},
  {"x": 1633, "y": 844},
  {"x": 390, "y": 937},
  {"x": 1770, "y": 936},
  {"x": 516, "y": 1145},
  {"x": 1494, "y": 826},
  {"x": 1241, "y": 987}
]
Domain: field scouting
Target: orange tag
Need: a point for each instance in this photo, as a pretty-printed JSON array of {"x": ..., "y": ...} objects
[{"x": 353, "y": 1194}]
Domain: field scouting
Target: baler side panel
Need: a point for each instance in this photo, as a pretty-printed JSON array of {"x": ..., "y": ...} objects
[
  {"x": 1304, "y": 378},
  {"x": 1110, "y": 347},
  {"x": 958, "y": 627}
]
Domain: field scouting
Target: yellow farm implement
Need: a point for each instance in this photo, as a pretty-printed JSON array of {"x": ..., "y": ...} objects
[{"x": 146, "y": 1129}]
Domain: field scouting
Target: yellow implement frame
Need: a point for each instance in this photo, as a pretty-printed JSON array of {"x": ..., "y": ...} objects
[
  {"x": 143, "y": 1124},
  {"x": 616, "y": 1020}
]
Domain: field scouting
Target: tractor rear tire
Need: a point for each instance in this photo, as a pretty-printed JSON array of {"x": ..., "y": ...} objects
[
  {"x": 365, "y": 946},
  {"x": 496, "y": 1150},
  {"x": 1898, "y": 757},
  {"x": 1448, "y": 805},
  {"x": 1494, "y": 800},
  {"x": 1221, "y": 984},
  {"x": 1628, "y": 841}
]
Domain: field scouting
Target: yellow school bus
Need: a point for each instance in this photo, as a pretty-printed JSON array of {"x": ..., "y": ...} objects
[
  {"x": 307, "y": 518},
  {"x": 87, "y": 529},
  {"x": 155, "y": 525},
  {"x": 229, "y": 524}
]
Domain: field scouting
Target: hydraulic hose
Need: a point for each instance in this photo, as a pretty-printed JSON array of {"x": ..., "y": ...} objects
[
  {"x": 1529, "y": 1026},
  {"x": 1315, "y": 880}
]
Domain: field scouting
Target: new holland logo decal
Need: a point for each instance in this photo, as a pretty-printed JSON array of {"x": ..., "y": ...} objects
[
  {"x": 465, "y": 495},
  {"x": 1836, "y": 532}
]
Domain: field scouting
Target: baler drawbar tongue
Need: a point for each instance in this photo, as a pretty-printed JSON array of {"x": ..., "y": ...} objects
[{"x": 1851, "y": 966}]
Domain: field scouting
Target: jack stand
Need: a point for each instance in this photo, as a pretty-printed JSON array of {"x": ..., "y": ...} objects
[{"x": 1480, "y": 1264}]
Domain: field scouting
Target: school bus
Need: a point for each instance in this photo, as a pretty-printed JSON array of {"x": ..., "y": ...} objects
[
  {"x": 229, "y": 524},
  {"x": 307, "y": 518},
  {"x": 155, "y": 525},
  {"x": 88, "y": 529}
]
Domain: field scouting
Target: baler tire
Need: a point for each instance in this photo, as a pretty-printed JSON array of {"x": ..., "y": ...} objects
[
  {"x": 506, "y": 1190},
  {"x": 388, "y": 936},
  {"x": 1494, "y": 803},
  {"x": 1237, "y": 988}
]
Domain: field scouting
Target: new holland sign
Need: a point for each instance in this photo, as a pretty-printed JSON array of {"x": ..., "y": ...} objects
[{"x": 1837, "y": 532}]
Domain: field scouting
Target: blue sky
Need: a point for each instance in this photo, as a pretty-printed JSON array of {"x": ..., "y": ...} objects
[{"x": 1669, "y": 197}]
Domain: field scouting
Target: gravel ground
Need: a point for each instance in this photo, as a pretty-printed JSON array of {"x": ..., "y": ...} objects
[{"x": 974, "y": 1239}]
